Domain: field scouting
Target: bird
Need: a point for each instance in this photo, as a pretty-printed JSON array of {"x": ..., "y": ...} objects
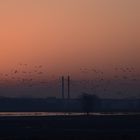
[
  {"x": 6, "y": 74},
  {"x": 124, "y": 77},
  {"x": 40, "y": 72},
  {"x": 24, "y": 72},
  {"x": 40, "y": 66},
  {"x": 15, "y": 71}
]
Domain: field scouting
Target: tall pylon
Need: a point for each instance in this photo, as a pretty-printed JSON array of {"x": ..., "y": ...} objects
[
  {"x": 68, "y": 87},
  {"x": 63, "y": 86}
]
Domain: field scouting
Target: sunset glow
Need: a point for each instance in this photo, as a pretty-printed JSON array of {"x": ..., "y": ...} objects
[{"x": 66, "y": 36}]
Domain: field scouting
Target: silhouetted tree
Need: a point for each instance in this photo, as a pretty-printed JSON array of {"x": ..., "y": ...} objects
[{"x": 88, "y": 103}]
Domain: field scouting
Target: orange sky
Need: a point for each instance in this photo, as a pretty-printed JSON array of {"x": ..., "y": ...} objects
[{"x": 66, "y": 35}]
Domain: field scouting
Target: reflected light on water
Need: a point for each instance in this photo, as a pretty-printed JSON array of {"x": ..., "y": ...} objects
[
  {"x": 6, "y": 114},
  {"x": 37, "y": 113}
]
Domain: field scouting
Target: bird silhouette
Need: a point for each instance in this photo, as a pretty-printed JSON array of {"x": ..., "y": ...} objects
[{"x": 15, "y": 71}]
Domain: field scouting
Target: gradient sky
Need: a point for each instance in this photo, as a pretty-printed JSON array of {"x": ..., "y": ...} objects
[{"x": 67, "y": 35}]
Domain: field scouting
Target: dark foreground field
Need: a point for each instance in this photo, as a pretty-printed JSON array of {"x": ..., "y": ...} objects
[{"x": 123, "y": 127}]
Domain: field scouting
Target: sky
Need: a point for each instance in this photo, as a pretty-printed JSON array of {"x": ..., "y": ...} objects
[{"x": 68, "y": 36}]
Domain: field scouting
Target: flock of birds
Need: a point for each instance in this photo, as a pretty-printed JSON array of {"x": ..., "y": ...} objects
[
  {"x": 120, "y": 80},
  {"x": 23, "y": 75}
]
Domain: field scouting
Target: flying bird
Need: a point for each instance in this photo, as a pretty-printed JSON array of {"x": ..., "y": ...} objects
[{"x": 15, "y": 71}]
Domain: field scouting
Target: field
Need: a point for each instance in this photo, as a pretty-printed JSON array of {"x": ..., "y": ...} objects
[{"x": 97, "y": 127}]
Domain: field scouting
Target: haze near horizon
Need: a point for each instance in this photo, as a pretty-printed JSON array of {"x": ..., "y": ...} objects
[{"x": 69, "y": 37}]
